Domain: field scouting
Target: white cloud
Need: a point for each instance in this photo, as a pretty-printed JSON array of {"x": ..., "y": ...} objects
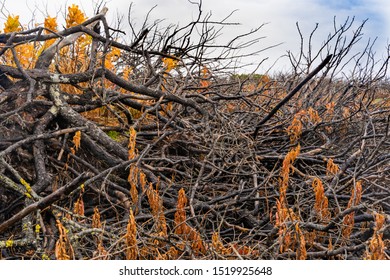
[{"x": 280, "y": 14}]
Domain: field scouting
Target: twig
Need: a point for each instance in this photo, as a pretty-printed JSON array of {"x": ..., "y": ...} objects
[{"x": 291, "y": 94}]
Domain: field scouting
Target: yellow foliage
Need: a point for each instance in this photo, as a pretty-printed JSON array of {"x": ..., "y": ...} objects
[
  {"x": 26, "y": 185},
  {"x": 12, "y": 24},
  {"x": 74, "y": 58},
  {"x": 127, "y": 71},
  {"x": 169, "y": 63},
  {"x": 50, "y": 23},
  {"x": 290, "y": 158},
  {"x": 111, "y": 58},
  {"x": 115, "y": 52},
  {"x": 9, "y": 243},
  {"x": 25, "y": 53},
  {"x": 75, "y": 16},
  {"x": 249, "y": 87},
  {"x": 309, "y": 116},
  {"x": 37, "y": 229}
]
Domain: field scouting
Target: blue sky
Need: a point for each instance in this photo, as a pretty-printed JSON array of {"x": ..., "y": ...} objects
[
  {"x": 346, "y": 4},
  {"x": 280, "y": 16}
]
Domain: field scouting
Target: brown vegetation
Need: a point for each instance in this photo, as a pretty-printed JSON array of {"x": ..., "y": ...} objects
[{"x": 156, "y": 149}]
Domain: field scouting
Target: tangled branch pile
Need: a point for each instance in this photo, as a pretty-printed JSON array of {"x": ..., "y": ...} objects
[{"x": 148, "y": 150}]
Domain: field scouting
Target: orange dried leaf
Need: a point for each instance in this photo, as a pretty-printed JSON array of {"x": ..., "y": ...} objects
[
  {"x": 379, "y": 221},
  {"x": 314, "y": 116},
  {"x": 142, "y": 180},
  {"x": 101, "y": 252},
  {"x": 295, "y": 129},
  {"x": 286, "y": 166},
  {"x": 330, "y": 107},
  {"x": 63, "y": 248},
  {"x": 218, "y": 245},
  {"x": 132, "y": 142},
  {"x": 357, "y": 194},
  {"x": 330, "y": 245},
  {"x": 321, "y": 203},
  {"x": 331, "y": 167},
  {"x": 376, "y": 249},
  {"x": 205, "y": 76},
  {"x": 96, "y": 222},
  {"x": 171, "y": 254},
  {"x": 156, "y": 205},
  {"x": 77, "y": 140},
  {"x": 131, "y": 238},
  {"x": 301, "y": 250},
  {"x": 79, "y": 206},
  {"x": 348, "y": 223},
  {"x": 133, "y": 181},
  {"x": 180, "y": 214},
  {"x": 204, "y": 83}
]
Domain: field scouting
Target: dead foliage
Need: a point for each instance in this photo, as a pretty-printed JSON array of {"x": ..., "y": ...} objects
[{"x": 148, "y": 149}]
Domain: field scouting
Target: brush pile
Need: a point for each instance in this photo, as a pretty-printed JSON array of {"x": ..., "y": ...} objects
[{"x": 148, "y": 149}]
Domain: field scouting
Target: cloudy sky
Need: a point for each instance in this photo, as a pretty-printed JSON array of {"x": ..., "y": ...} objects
[{"x": 280, "y": 16}]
